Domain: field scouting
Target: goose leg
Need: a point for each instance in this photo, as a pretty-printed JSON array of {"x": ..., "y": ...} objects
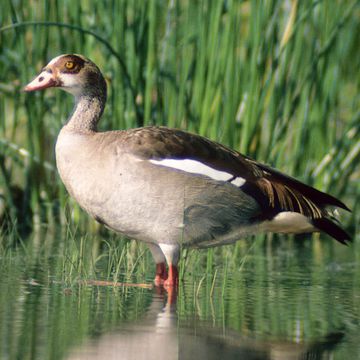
[
  {"x": 159, "y": 258},
  {"x": 172, "y": 254},
  {"x": 173, "y": 277}
]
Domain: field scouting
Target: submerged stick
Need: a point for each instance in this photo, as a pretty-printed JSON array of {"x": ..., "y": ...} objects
[{"x": 113, "y": 283}]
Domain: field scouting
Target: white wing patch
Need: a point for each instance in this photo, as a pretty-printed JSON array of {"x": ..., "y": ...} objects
[
  {"x": 239, "y": 181},
  {"x": 194, "y": 167},
  {"x": 197, "y": 167}
]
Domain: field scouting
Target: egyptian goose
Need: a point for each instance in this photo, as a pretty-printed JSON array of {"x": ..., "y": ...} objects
[{"x": 170, "y": 188}]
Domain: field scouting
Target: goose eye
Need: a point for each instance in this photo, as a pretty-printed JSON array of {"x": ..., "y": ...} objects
[{"x": 69, "y": 65}]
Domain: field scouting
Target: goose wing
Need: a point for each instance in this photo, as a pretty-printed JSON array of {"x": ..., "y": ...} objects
[{"x": 274, "y": 191}]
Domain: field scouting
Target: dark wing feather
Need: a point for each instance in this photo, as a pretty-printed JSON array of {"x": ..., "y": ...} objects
[
  {"x": 331, "y": 228},
  {"x": 318, "y": 197}
]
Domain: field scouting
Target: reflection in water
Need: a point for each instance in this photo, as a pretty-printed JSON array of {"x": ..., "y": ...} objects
[
  {"x": 161, "y": 335},
  {"x": 270, "y": 308}
]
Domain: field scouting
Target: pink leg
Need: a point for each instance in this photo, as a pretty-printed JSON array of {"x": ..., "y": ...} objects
[
  {"x": 173, "y": 277},
  {"x": 161, "y": 274},
  {"x": 171, "y": 295}
]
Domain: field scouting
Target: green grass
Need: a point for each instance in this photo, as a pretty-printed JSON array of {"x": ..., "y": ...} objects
[{"x": 276, "y": 80}]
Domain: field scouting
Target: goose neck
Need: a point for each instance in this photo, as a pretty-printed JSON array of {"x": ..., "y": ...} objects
[{"x": 86, "y": 113}]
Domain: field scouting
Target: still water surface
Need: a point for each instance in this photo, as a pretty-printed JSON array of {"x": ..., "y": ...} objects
[{"x": 282, "y": 302}]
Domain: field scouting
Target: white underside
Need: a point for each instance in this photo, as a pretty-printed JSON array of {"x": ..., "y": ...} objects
[
  {"x": 284, "y": 222},
  {"x": 288, "y": 222}
]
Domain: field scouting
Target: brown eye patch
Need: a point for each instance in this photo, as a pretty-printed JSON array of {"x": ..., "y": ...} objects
[{"x": 72, "y": 64}]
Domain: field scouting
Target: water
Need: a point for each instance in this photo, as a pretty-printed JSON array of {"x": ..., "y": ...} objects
[{"x": 279, "y": 302}]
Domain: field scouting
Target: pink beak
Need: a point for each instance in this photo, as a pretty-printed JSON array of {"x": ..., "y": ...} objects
[{"x": 44, "y": 80}]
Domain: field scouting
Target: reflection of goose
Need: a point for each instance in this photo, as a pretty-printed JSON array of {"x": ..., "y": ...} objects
[
  {"x": 168, "y": 187},
  {"x": 160, "y": 336},
  {"x": 155, "y": 337}
]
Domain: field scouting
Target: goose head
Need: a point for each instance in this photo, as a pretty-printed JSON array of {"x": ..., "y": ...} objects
[{"x": 72, "y": 73}]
